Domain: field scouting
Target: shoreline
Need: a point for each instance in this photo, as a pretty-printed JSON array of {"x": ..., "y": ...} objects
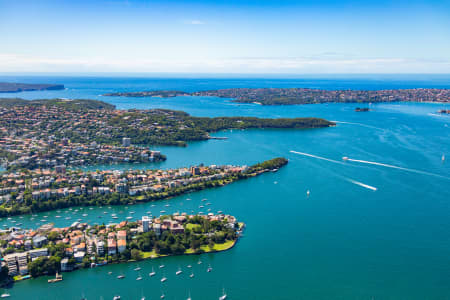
[{"x": 242, "y": 226}]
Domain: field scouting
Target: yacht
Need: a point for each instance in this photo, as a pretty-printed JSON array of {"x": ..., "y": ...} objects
[
  {"x": 116, "y": 298},
  {"x": 139, "y": 277},
  {"x": 161, "y": 266},
  {"x": 152, "y": 273},
  {"x": 5, "y": 295},
  {"x": 137, "y": 268},
  {"x": 178, "y": 272},
  {"x": 121, "y": 277},
  {"x": 163, "y": 296},
  {"x": 189, "y": 266},
  {"x": 164, "y": 279}
]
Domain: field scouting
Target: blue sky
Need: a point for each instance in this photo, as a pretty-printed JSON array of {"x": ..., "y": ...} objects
[{"x": 292, "y": 37}]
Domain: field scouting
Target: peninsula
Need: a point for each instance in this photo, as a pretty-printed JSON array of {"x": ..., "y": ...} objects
[
  {"x": 11, "y": 87},
  {"x": 49, "y": 250},
  {"x": 26, "y": 191},
  {"x": 289, "y": 96},
  {"x": 49, "y": 133}
]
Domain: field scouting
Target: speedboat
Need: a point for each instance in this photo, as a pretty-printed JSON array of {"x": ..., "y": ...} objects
[{"x": 224, "y": 296}]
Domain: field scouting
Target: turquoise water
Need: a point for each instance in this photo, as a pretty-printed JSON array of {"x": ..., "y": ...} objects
[{"x": 344, "y": 241}]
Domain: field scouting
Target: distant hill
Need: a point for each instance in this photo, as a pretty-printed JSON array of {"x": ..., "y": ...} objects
[
  {"x": 76, "y": 104},
  {"x": 11, "y": 87}
]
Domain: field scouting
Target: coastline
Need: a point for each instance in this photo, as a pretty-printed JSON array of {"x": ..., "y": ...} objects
[{"x": 146, "y": 256}]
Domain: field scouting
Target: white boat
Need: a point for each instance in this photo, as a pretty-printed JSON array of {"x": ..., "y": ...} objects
[
  {"x": 163, "y": 296},
  {"x": 307, "y": 193},
  {"x": 443, "y": 157},
  {"x": 129, "y": 218},
  {"x": 116, "y": 298},
  {"x": 137, "y": 268},
  {"x": 209, "y": 269},
  {"x": 84, "y": 215},
  {"x": 189, "y": 297},
  {"x": 5, "y": 295},
  {"x": 161, "y": 266},
  {"x": 192, "y": 275},
  {"x": 199, "y": 262},
  {"x": 189, "y": 266},
  {"x": 164, "y": 279},
  {"x": 345, "y": 158},
  {"x": 139, "y": 277},
  {"x": 121, "y": 277},
  {"x": 224, "y": 296},
  {"x": 152, "y": 273},
  {"x": 178, "y": 272}
]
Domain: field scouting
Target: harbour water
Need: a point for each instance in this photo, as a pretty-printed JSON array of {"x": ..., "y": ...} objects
[{"x": 343, "y": 241}]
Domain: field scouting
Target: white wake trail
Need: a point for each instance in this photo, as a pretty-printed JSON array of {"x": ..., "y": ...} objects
[
  {"x": 363, "y": 185},
  {"x": 315, "y": 156},
  {"x": 397, "y": 167}
]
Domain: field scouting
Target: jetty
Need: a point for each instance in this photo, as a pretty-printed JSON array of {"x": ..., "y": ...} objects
[{"x": 57, "y": 278}]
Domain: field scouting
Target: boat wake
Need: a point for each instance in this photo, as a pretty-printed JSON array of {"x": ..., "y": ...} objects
[
  {"x": 359, "y": 124},
  {"x": 362, "y": 184},
  {"x": 397, "y": 167},
  {"x": 318, "y": 157}
]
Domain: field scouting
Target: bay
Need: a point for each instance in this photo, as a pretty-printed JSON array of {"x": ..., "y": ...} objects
[{"x": 344, "y": 241}]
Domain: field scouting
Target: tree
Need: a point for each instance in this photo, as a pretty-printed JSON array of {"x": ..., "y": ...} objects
[{"x": 136, "y": 254}]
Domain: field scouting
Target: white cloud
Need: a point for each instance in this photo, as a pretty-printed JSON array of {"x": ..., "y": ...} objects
[
  {"x": 195, "y": 22},
  {"x": 293, "y": 65}
]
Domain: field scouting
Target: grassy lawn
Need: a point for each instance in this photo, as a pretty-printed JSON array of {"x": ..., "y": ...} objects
[
  {"x": 217, "y": 247},
  {"x": 192, "y": 226}
]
